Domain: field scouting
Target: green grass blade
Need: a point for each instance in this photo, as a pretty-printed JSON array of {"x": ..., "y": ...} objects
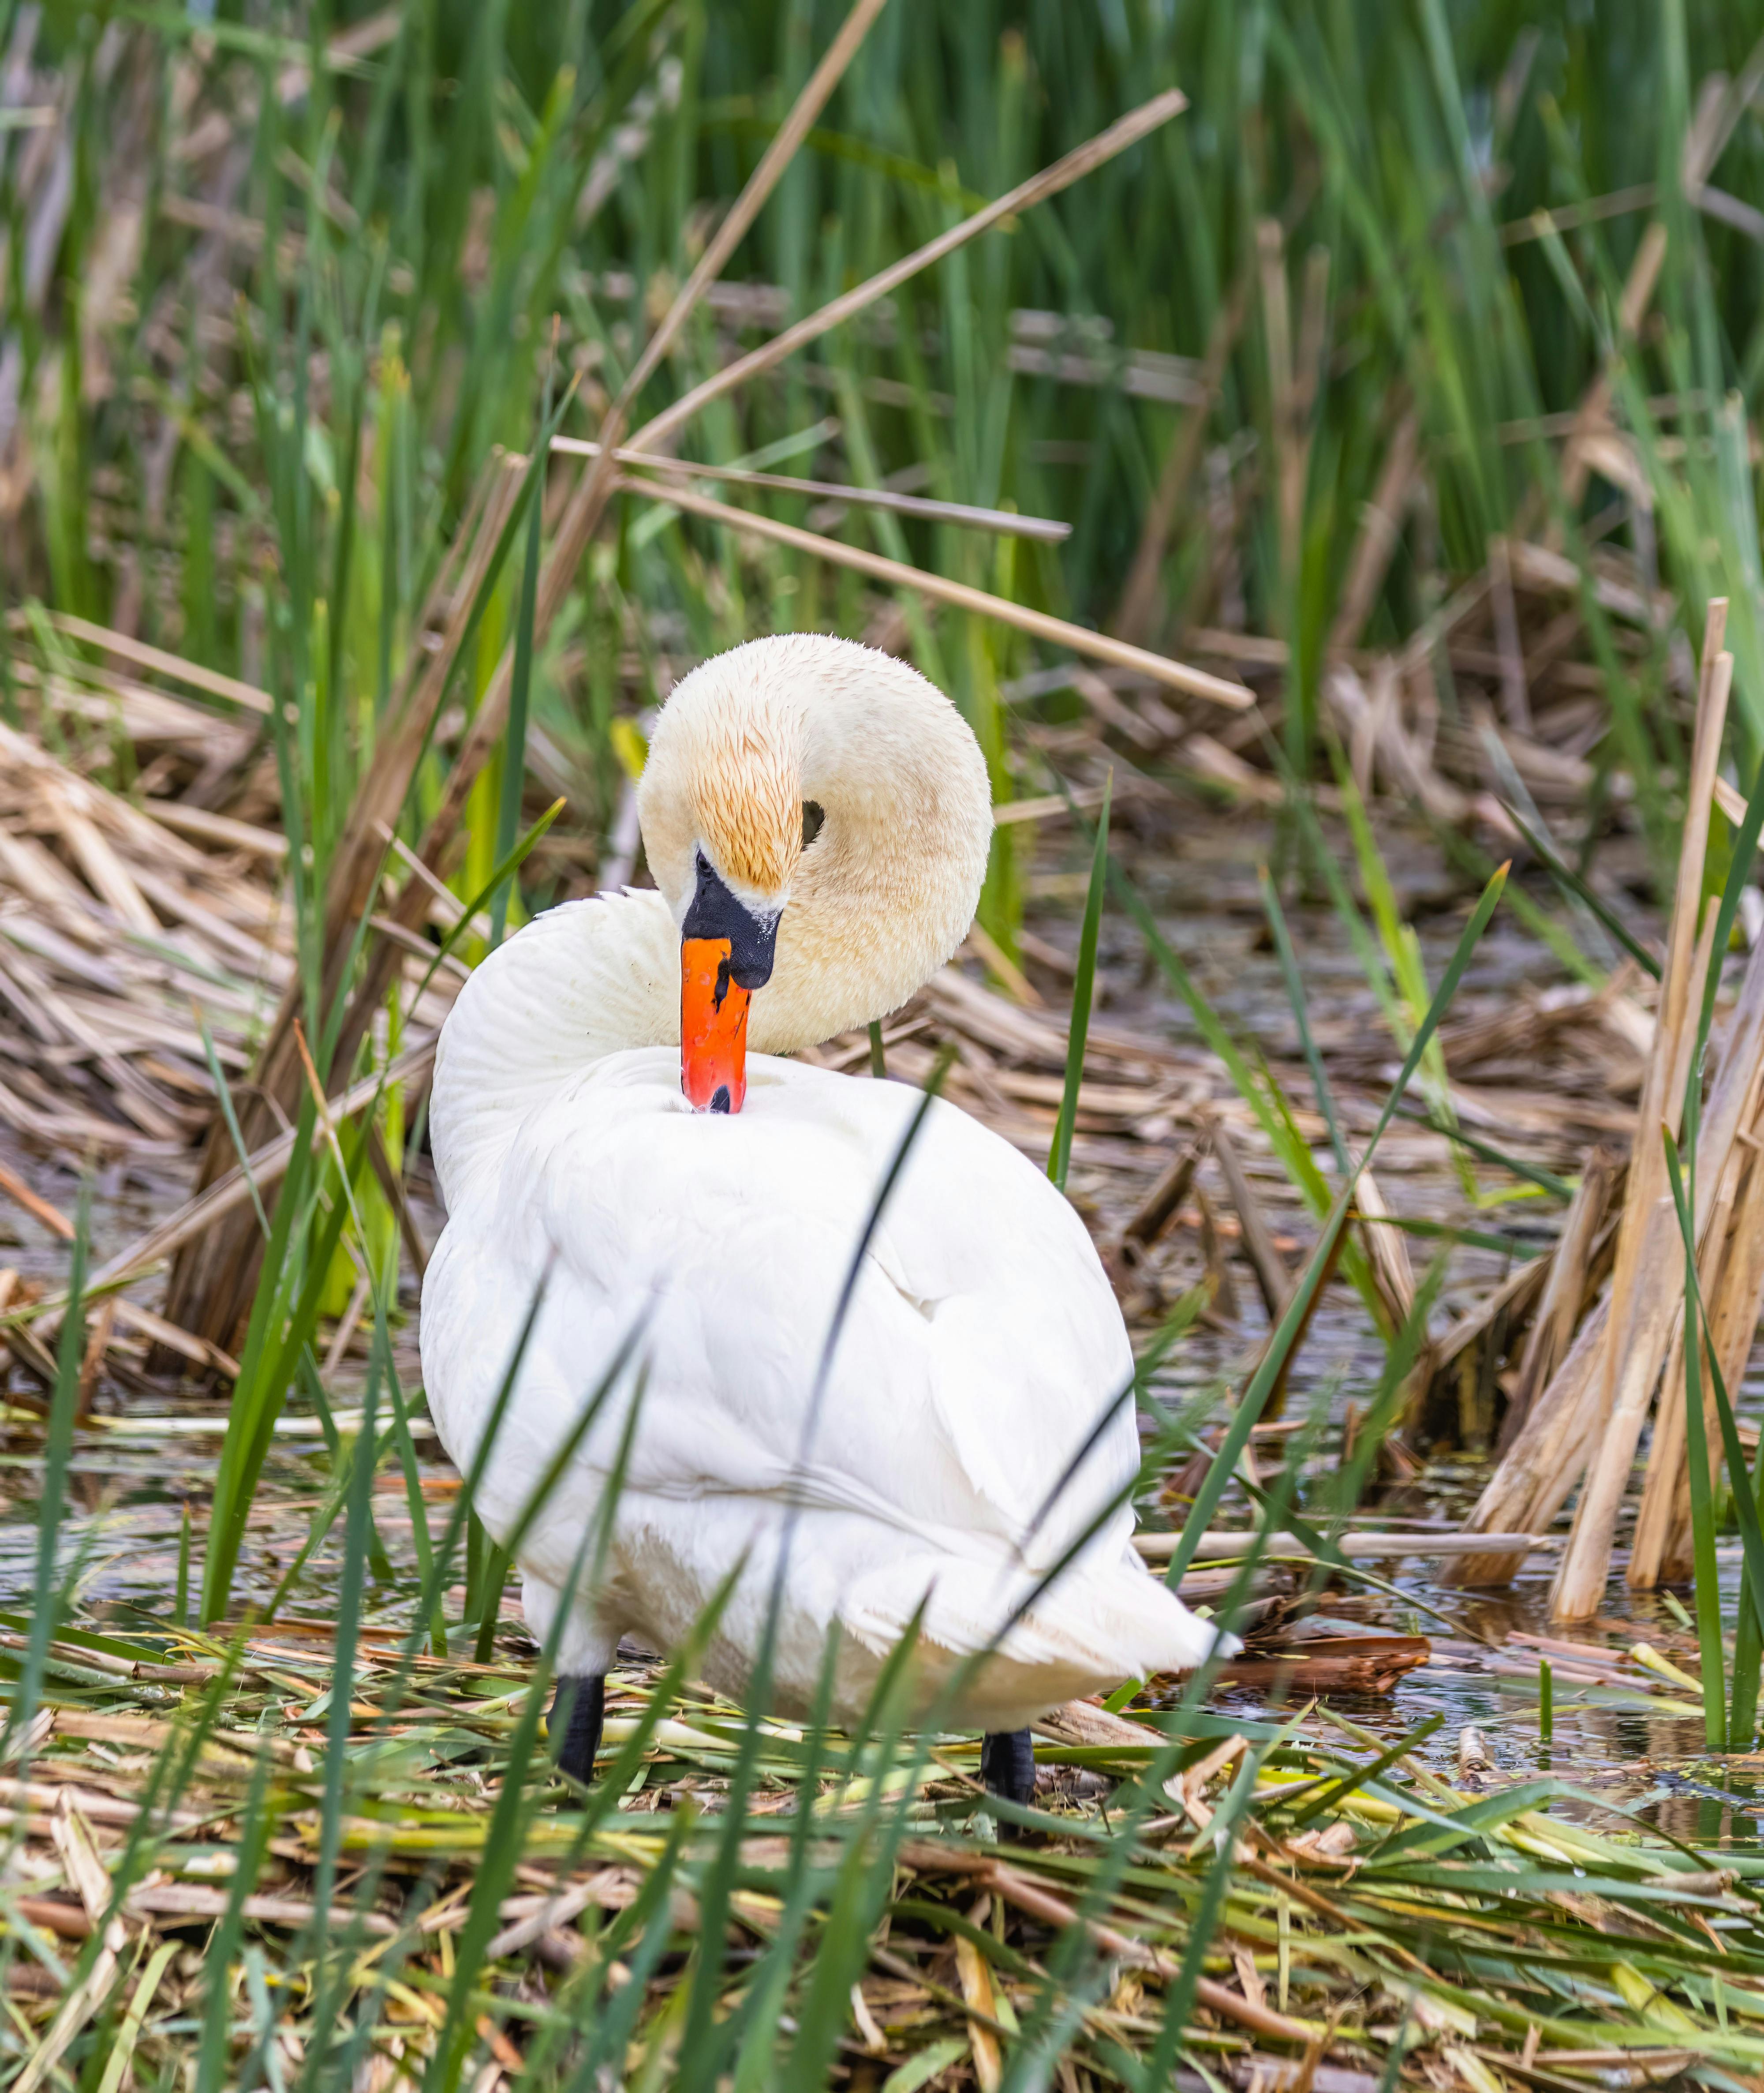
[
  {"x": 502, "y": 1854},
  {"x": 338, "y": 1720},
  {"x": 1574, "y": 888},
  {"x": 1288, "y": 974},
  {"x": 754, "y": 2064},
  {"x": 325, "y": 1515},
  {"x": 180, "y": 1596},
  {"x": 1295, "y": 1156},
  {"x": 1338, "y": 1792},
  {"x": 499, "y": 876},
  {"x": 1531, "y": 1173},
  {"x": 487, "y": 1603},
  {"x": 215, "y": 2041},
  {"x": 277, "y": 1276},
  {"x": 1402, "y": 950},
  {"x": 611, "y": 2029},
  {"x": 264, "y": 1377},
  {"x": 1083, "y": 986},
  {"x": 224, "y": 1094},
  {"x": 1180, "y": 1997},
  {"x": 1385, "y": 1410},
  {"x": 1707, "y": 1586},
  {"x": 1748, "y": 1659},
  {"x": 1476, "y": 863},
  {"x": 422, "y": 1539},
  {"x": 1745, "y": 1501},
  {"x": 1742, "y": 857}
]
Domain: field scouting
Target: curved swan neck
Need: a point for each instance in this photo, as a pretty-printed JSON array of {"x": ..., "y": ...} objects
[
  {"x": 871, "y": 908},
  {"x": 580, "y": 982}
]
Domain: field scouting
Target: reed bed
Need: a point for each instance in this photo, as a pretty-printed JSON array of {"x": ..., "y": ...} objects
[
  {"x": 1303, "y": 1909},
  {"x": 1319, "y": 455}
]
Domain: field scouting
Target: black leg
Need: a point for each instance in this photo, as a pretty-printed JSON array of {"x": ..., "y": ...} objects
[
  {"x": 578, "y": 1710},
  {"x": 1008, "y": 1765}
]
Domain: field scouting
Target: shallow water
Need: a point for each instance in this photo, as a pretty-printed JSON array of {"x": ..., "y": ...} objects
[
  {"x": 122, "y": 1527},
  {"x": 127, "y": 1497}
]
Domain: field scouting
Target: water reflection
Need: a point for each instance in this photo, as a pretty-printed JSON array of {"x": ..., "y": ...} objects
[{"x": 124, "y": 1520}]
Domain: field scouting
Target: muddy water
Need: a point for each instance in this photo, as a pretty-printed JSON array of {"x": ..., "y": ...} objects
[{"x": 128, "y": 1496}]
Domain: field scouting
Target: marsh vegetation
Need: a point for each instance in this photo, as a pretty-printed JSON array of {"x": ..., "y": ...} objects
[{"x": 1317, "y": 449}]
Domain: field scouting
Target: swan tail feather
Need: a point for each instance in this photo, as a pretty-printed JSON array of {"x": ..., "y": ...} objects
[{"x": 1104, "y": 1624}]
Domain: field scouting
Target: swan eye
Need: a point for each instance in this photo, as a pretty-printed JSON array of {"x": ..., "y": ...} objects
[{"x": 813, "y": 815}]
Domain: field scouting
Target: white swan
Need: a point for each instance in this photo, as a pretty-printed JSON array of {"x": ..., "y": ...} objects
[{"x": 817, "y": 819}]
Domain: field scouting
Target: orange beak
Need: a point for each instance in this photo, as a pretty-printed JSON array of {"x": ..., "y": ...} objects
[
  {"x": 713, "y": 1027},
  {"x": 726, "y": 950}
]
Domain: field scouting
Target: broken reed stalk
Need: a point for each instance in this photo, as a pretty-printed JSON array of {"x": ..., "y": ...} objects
[
  {"x": 1387, "y": 1254},
  {"x": 1552, "y": 1331},
  {"x": 1703, "y": 139},
  {"x": 1273, "y": 1280},
  {"x": 1647, "y": 1286},
  {"x": 1511, "y": 1303},
  {"x": 1644, "y": 1312},
  {"x": 1564, "y": 1419},
  {"x": 1733, "y": 1295},
  {"x": 963, "y": 515},
  {"x": 125, "y": 647},
  {"x": 1224, "y": 1544},
  {"x": 1381, "y": 530},
  {"x": 1154, "y": 1214},
  {"x": 1720, "y": 1157},
  {"x": 1084, "y": 160},
  {"x": 896, "y": 574},
  {"x": 1545, "y": 1462}
]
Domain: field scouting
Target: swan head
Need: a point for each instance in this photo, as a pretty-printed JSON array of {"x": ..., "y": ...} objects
[{"x": 817, "y": 816}]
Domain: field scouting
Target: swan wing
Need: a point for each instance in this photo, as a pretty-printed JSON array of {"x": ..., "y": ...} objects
[
  {"x": 979, "y": 1348},
  {"x": 932, "y": 1463}
]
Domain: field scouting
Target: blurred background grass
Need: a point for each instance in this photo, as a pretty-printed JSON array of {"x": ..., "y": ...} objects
[{"x": 276, "y": 280}]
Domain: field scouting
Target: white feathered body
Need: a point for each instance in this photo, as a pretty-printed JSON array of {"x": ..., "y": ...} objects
[{"x": 981, "y": 1349}]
